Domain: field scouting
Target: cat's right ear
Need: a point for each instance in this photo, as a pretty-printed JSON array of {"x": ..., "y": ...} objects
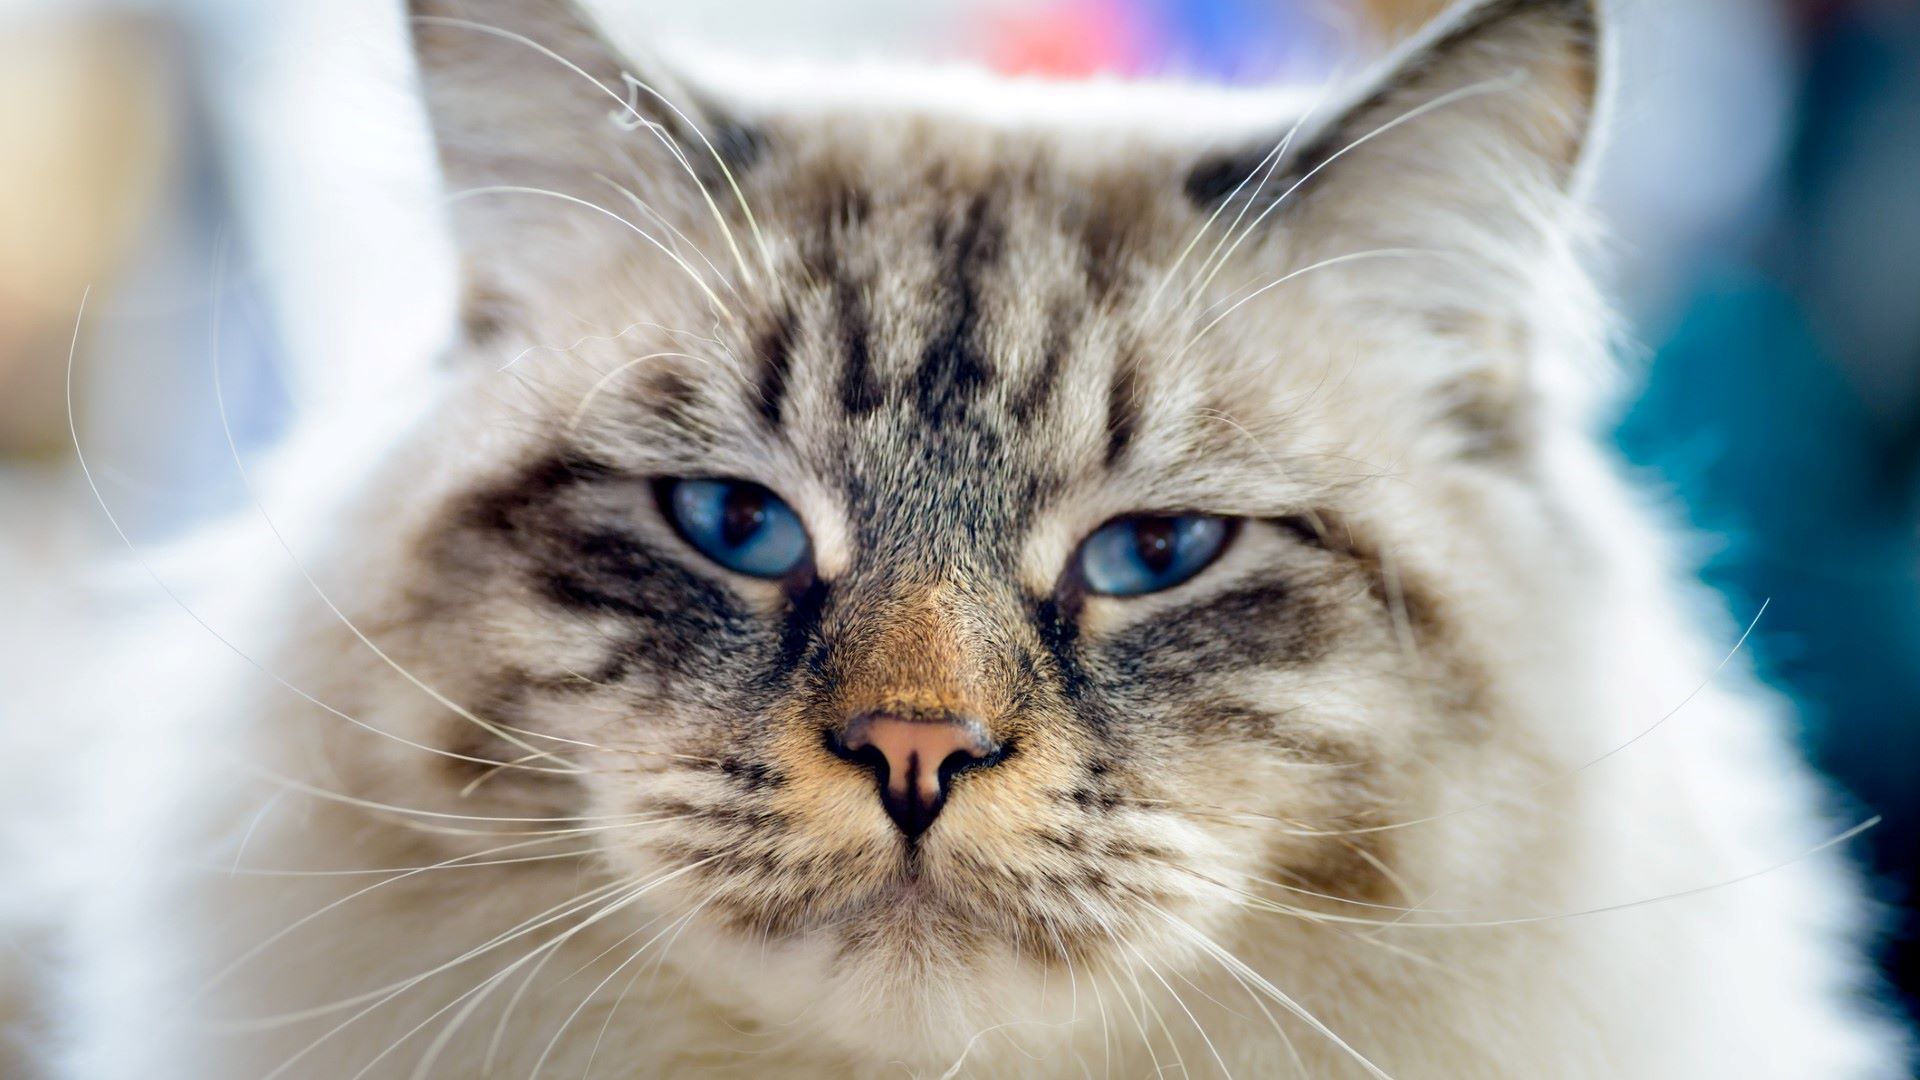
[{"x": 557, "y": 145}]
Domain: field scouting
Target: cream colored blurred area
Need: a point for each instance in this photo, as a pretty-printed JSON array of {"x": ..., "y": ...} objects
[
  {"x": 89, "y": 141},
  {"x": 88, "y": 136}
]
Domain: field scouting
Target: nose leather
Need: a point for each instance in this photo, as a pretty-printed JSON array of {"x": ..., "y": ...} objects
[{"x": 913, "y": 757}]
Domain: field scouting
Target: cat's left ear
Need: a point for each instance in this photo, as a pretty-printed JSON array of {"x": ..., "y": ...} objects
[{"x": 1465, "y": 133}]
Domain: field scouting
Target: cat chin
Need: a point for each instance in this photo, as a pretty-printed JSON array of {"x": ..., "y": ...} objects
[{"x": 897, "y": 998}]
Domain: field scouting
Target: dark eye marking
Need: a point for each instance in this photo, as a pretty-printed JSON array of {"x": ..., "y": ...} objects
[
  {"x": 606, "y": 570},
  {"x": 535, "y": 488},
  {"x": 1283, "y": 616},
  {"x": 1315, "y": 529},
  {"x": 1265, "y": 622}
]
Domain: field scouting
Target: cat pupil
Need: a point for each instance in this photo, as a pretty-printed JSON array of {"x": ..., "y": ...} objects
[
  {"x": 742, "y": 515},
  {"x": 1154, "y": 539}
]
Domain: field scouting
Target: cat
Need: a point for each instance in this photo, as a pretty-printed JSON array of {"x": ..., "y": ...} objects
[{"x": 987, "y": 579}]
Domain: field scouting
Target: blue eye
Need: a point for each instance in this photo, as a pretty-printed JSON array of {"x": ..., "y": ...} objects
[
  {"x": 742, "y": 526},
  {"x": 1132, "y": 556}
]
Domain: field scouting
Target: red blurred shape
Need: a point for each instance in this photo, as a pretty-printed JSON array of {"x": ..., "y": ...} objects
[{"x": 1073, "y": 38}]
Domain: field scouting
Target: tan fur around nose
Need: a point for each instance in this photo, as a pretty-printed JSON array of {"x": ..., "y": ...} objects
[{"x": 922, "y": 654}]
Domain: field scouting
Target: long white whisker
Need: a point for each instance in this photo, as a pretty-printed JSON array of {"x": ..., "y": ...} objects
[
  {"x": 474, "y": 997},
  {"x": 719, "y": 159},
  {"x": 1271, "y": 162},
  {"x": 1487, "y": 86},
  {"x": 541, "y": 1061},
  {"x": 385, "y": 871},
  {"x": 246, "y": 481},
  {"x": 586, "y": 400},
  {"x": 641, "y": 120},
  {"x": 444, "y": 815},
  {"x": 253, "y": 953},
  {"x": 1570, "y": 773},
  {"x": 521, "y": 189},
  {"x": 1177, "y": 1000},
  {"x": 1286, "y": 1002},
  {"x": 1337, "y": 260},
  {"x": 661, "y": 219},
  {"x": 113, "y": 520},
  {"x": 552, "y": 915}
]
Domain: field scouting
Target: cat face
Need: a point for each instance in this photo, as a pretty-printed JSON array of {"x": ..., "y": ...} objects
[{"x": 952, "y": 558}]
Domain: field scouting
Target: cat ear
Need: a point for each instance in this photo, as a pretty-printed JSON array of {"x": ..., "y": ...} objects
[
  {"x": 1446, "y": 188},
  {"x": 1464, "y": 132},
  {"x": 559, "y": 147}
]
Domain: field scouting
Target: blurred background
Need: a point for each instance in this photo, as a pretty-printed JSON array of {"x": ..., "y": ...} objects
[{"x": 236, "y": 186}]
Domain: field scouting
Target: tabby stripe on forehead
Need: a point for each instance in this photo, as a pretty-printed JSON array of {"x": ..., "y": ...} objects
[
  {"x": 1123, "y": 409},
  {"x": 952, "y": 370},
  {"x": 1038, "y": 393},
  {"x": 775, "y": 350},
  {"x": 860, "y": 391}
]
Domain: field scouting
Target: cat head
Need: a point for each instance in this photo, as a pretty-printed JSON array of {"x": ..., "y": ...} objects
[{"x": 943, "y": 557}]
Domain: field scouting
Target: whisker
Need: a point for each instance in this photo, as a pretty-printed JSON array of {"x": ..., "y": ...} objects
[
  {"x": 638, "y": 119},
  {"x": 1297, "y": 828},
  {"x": 474, "y": 997},
  {"x": 1293, "y": 1052},
  {"x": 246, "y": 481},
  {"x": 521, "y": 189},
  {"x": 1177, "y": 1000},
  {"x": 240, "y": 850},
  {"x": 385, "y": 994},
  {"x": 612, "y": 1011},
  {"x": 1106, "y": 1041},
  {"x": 1147, "y": 1005},
  {"x": 1139, "y": 1022},
  {"x": 1487, "y": 86},
  {"x": 250, "y": 871},
  {"x": 661, "y": 219},
  {"x": 423, "y": 1068},
  {"x": 540, "y": 1062},
  {"x": 580, "y": 411},
  {"x": 256, "y": 951},
  {"x": 446, "y": 815},
  {"x": 1524, "y": 920},
  {"x": 719, "y": 159},
  {"x": 113, "y": 520},
  {"x": 1272, "y": 162},
  {"x": 1207, "y": 944},
  {"x": 1337, "y": 260},
  {"x": 582, "y": 340}
]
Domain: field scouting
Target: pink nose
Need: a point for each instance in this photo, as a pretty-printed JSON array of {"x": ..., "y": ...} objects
[{"x": 914, "y": 757}]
